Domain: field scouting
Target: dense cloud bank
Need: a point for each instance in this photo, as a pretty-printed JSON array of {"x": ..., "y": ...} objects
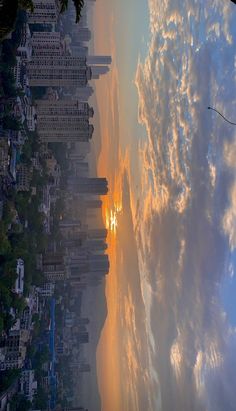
[{"x": 185, "y": 219}]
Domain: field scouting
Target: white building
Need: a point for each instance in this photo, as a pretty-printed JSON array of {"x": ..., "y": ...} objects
[
  {"x": 31, "y": 117},
  {"x": 19, "y": 283}
]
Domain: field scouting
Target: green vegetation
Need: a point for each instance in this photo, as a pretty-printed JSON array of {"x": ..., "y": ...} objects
[
  {"x": 79, "y": 4},
  {"x": 8, "y": 14},
  {"x": 20, "y": 403},
  {"x": 11, "y": 8},
  {"x": 41, "y": 399},
  {"x": 7, "y": 378}
]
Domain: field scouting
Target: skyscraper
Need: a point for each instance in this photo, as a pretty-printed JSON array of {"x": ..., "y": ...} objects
[
  {"x": 92, "y": 203},
  {"x": 83, "y": 93},
  {"x": 97, "y": 60},
  {"x": 89, "y": 185},
  {"x": 53, "y": 267},
  {"x": 79, "y": 51},
  {"x": 99, "y": 233},
  {"x": 75, "y": 409},
  {"x": 77, "y": 130},
  {"x": 58, "y": 71},
  {"x": 46, "y": 43},
  {"x": 83, "y": 34},
  {"x": 98, "y": 71},
  {"x": 45, "y": 12},
  {"x": 48, "y": 109},
  {"x": 63, "y": 120},
  {"x": 96, "y": 245},
  {"x": 99, "y": 264}
]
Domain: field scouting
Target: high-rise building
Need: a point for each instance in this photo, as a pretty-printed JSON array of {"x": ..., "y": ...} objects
[
  {"x": 79, "y": 51},
  {"x": 98, "y": 71},
  {"x": 63, "y": 120},
  {"x": 82, "y": 321},
  {"x": 58, "y": 71},
  {"x": 75, "y": 409},
  {"x": 83, "y": 34},
  {"x": 96, "y": 245},
  {"x": 45, "y": 43},
  {"x": 99, "y": 263},
  {"x": 98, "y": 233},
  {"x": 97, "y": 60},
  {"x": 54, "y": 267},
  {"x": 45, "y": 12},
  {"x": 66, "y": 223},
  {"x": 77, "y": 131},
  {"x": 80, "y": 168},
  {"x": 88, "y": 263},
  {"x": 83, "y": 337},
  {"x": 83, "y": 93},
  {"x": 89, "y": 185},
  {"x": 48, "y": 109},
  {"x": 92, "y": 203}
]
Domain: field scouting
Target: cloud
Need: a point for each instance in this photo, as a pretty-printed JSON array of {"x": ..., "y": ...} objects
[
  {"x": 178, "y": 221},
  {"x": 229, "y": 217}
]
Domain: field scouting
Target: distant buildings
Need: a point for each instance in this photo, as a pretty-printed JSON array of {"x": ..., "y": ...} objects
[
  {"x": 28, "y": 384},
  {"x": 54, "y": 267},
  {"x": 97, "y": 60},
  {"x": 46, "y": 290},
  {"x": 13, "y": 349},
  {"x": 23, "y": 178},
  {"x": 88, "y": 185}
]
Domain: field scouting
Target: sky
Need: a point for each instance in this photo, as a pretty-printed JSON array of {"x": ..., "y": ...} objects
[{"x": 169, "y": 340}]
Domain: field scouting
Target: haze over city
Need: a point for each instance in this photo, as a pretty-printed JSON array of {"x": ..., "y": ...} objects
[{"x": 117, "y": 205}]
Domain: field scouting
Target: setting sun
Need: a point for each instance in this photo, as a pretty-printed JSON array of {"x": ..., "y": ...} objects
[{"x": 112, "y": 217}]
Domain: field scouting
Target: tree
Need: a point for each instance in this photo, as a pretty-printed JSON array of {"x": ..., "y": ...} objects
[
  {"x": 79, "y": 4},
  {"x": 7, "y": 213},
  {"x": 41, "y": 399},
  {"x": 27, "y": 5},
  {"x": 11, "y": 123},
  {"x": 8, "y": 53},
  {"x": 1, "y": 323},
  {"x": 5, "y": 246},
  {"x": 20, "y": 403},
  {"x": 19, "y": 303}
]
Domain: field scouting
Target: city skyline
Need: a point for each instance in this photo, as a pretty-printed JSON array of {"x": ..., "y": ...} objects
[{"x": 117, "y": 206}]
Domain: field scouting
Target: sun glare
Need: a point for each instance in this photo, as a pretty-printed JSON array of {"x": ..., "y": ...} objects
[{"x": 112, "y": 217}]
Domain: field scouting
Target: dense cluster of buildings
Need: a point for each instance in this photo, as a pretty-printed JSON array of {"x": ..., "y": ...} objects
[{"x": 51, "y": 60}]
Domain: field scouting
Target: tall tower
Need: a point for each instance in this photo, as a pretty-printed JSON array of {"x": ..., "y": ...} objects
[
  {"x": 98, "y": 71},
  {"x": 75, "y": 409},
  {"x": 98, "y": 233},
  {"x": 97, "y": 60},
  {"x": 63, "y": 120},
  {"x": 53, "y": 267},
  {"x": 89, "y": 185},
  {"x": 83, "y": 93},
  {"x": 45, "y": 12},
  {"x": 58, "y": 71},
  {"x": 83, "y": 34},
  {"x": 46, "y": 43},
  {"x": 92, "y": 203}
]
